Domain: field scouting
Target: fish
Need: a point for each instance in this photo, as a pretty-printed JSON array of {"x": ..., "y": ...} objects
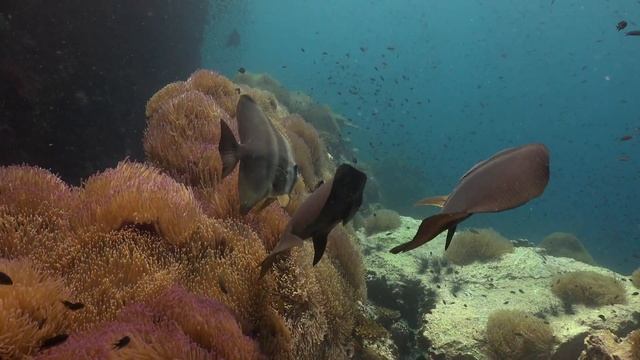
[
  {"x": 334, "y": 201},
  {"x": 267, "y": 168},
  {"x": 122, "y": 343},
  {"x": 54, "y": 341},
  {"x": 233, "y": 39},
  {"x": 633, "y": 33},
  {"x": 621, "y": 25},
  {"x": 242, "y": 70},
  {"x": 626, "y": 138},
  {"x": 73, "y": 306},
  {"x": 5, "y": 279},
  {"x": 508, "y": 179}
]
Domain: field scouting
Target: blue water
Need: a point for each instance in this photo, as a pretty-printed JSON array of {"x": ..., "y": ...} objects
[{"x": 464, "y": 79}]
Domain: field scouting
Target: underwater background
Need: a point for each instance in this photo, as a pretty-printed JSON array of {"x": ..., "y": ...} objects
[
  {"x": 122, "y": 230},
  {"x": 436, "y": 86}
]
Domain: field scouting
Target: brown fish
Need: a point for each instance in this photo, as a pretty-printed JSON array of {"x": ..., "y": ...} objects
[
  {"x": 505, "y": 181},
  {"x": 267, "y": 169},
  {"x": 5, "y": 279},
  {"x": 332, "y": 202},
  {"x": 122, "y": 343},
  {"x": 73, "y": 306},
  {"x": 54, "y": 341}
]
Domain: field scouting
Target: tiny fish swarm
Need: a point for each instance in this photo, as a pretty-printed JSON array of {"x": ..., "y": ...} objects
[
  {"x": 164, "y": 264},
  {"x": 514, "y": 334},
  {"x": 588, "y": 288},
  {"x": 477, "y": 245}
]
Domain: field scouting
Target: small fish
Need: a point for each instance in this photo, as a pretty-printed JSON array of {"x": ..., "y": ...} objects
[
  {"x": 73, "y": 306},
  {"x": 626, "y": 138},
  {"x": 54, "y": 341},
  {"x": 363, "y": 49},
  {"x": 602, "y": 317},
  {"x": 267, "y": 169},
  {"x": 302, "y": 49},
  {"x": 242, "y": 70},
  {"x": 621, "y": 25},
  {"x": 524, "y": 174},
  {"x": 5, "y": 279},
  {"x": 335, "y": 201},
  {"x": 518, "y": 334},
  {"x": 633, "y": 33},
  {"x": 122, "y": 343}
]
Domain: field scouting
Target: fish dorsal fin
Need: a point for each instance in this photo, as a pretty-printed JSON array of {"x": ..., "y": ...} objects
[
  {"x": 228, "y": 148},
  {"x": 483, "y": 162},
  {"x": 437, "y": 201}
]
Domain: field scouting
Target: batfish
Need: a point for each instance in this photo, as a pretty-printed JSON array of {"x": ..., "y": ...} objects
[
  {"x": 334, "y": 201},
  {"x": 505, "y": 181},
  {"x": 267, "y": 169}
]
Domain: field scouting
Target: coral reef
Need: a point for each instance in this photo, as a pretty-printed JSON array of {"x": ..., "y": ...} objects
[
  {"x": 477, "y": 245},
  {"x": 635, "y": 278},
  {"x": 603, "y": 344},
  {"x": 513, "y": 334},
  {"x": 381, "y": 220},
  {"x": 455, "y": 301},
  {"x": 31, "y": 309},
  {"x": 562, "y": 244},
  {"x": 588, "y": 288}
]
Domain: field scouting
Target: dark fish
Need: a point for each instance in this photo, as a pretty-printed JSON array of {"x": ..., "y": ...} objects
[
  {"x": 621, "y": 25},
  {"x": 73, "y": 306},
  {"x": 233, "y": 39},
  {"x": 334, "y": 201},
  {"x": 505, "y": 181},
  {"x": 242, "y": 70},
  {"x": 267, "y": 169},
  {"x": 122, "y": 343},
  {"x": 5, "y": 279},
  {"x": 602, "y": 317},
  {"x": 54, "y": 341},
  {"x": 633, "y": 33},
  {"x": 626, "y": 137}
]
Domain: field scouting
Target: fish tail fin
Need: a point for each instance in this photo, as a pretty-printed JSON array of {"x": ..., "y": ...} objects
[
  {"x": 319, "y": 245},
  {"x": 433, "y": 201},
  {"x": 430, "y": 228},
  {"x": 286, "y": 242},
  {"x": 228, "y": 148}
]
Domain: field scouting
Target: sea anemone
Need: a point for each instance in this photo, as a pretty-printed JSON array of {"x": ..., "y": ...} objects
[
  {"x": 221, "y": 89},
  {"x": 31, "y": 309},
  {"x": 477, "y": 245},
  {"x": 513, "y": 334},
  {"x": 31, "y": 190},
  {"x": 139, "y": 195},
  {"x": 561, "y": 244},
  {"x": 635, "y": 278},
  {"x": 382, "y": 220},
  {"x": 589, "y": 288},
  {"x": 164, "y": 95},
  {"x": 182, "y": 138}
]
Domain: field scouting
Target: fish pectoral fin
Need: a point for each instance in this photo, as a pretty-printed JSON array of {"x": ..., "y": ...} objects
[
  {"x": 450, "y": 232},
  {"x": 286, "y": 242},
  {"x": 228, "y": 148},
  {"x": 319, "y": 245},
  {"x": 433, "y": 201},
  {"x": 430, "y": 228},
  {"x": 284, "y": 200}
]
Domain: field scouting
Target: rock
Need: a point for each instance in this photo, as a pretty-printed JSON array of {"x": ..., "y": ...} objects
[
  {"x": 603, "y": 345},
  {"x": 449, "y": 305}
]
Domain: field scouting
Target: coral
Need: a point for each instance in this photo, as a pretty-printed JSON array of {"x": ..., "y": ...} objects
[
  {"x": 634, "y": 339},
  {"x": 221, "y": 89},
  {"x": 588, "y": 288},
  {"x": 513, "y": 334},
  {"x": 163, "y": 95},
  {"x": 33, "y": 190},
  {"x": 134, "y": 193},
  {"x": 182, "y": 138},
  {"x": 266, "y": 82},
  {"x": 477, "y": 245},
  {"x": 31, "y": 309},
  {"x": 635, "y": 278},
  {"x": 309, "y": 150},
  {"x": 561, "y": 244},
  {"x": 267, "y": 102},
  {"x": 603, "y": 344},
  {"x": 381, "y": 220}
]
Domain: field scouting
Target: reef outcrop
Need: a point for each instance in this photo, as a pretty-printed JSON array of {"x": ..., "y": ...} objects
[{"x": 449, "y": 305}]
